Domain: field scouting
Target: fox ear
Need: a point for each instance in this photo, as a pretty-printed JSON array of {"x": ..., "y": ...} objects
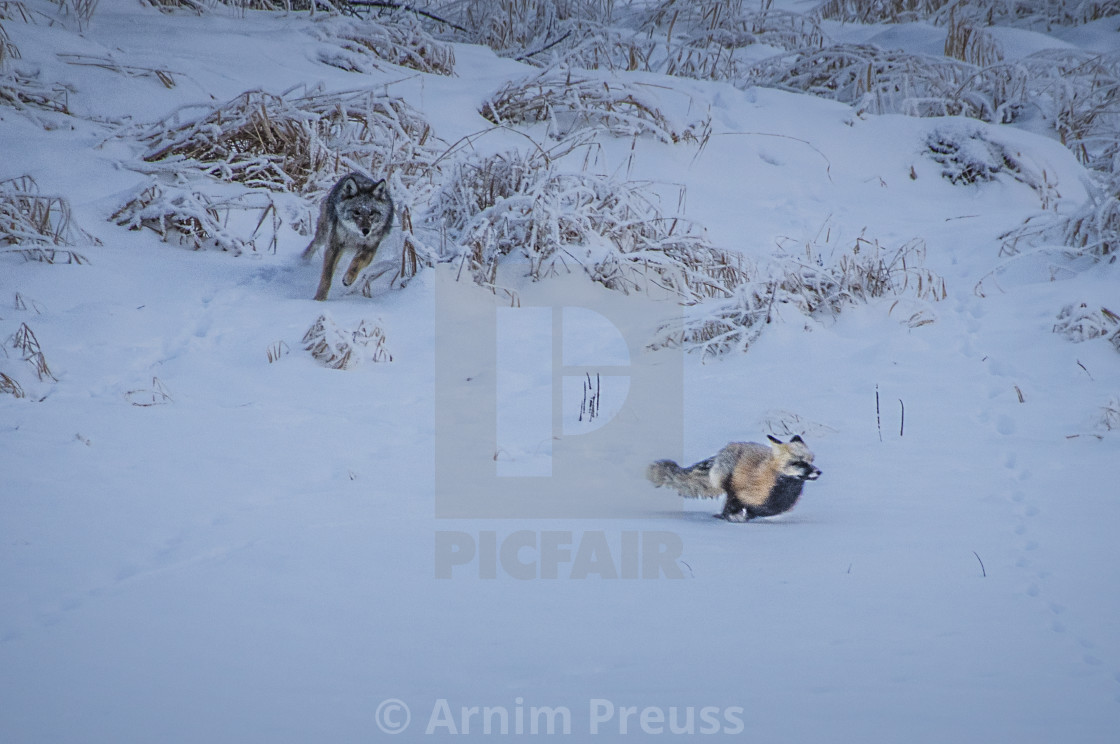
[
  {"x": 797, "y": 438},
  {"x": 773, "y": 439}
]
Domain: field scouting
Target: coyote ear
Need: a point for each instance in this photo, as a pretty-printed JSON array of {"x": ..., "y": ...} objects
[
  {"x": 380, "y": 189},
  {"x": 349, "y": 187},
  {"x": 773, "y": 439},
  {"x": 797, "y": 438}
]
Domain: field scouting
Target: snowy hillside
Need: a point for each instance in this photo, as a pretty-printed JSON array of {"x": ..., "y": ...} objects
[{"x": 624, "y": 231}]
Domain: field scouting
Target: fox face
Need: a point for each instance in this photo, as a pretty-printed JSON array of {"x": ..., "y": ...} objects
[{"x": 794, "y": 459}]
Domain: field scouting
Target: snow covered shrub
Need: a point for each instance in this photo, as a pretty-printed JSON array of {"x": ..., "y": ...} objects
[
  {"x": 573, "y": 99},
  {"x": 706, "y": 40},
  {"x": 195, "y": 219},
  {"x": 340, "y": 348},
  {"x": 514, "y": 28},
  {"x": 967, "y": 41},
  {"x": 733, "y": 24},
  {"x": 39, "y": 225},
  {"x": 519, "y": 204},
  {"x": 1078, "y": 323},
  {"x": 817, "y": 285},
  {"x": 1079, "y": 94},
  {"x": 877, "y": 81},
  {"x": 1093, "y": 229},
  {"x": 399, "y": 39},
  {"x": 1040, "y": 14},
  {"x": 878, "y": 11},
  {"x": 300, "y": 143},
  {"x": 969, "y": 156}
]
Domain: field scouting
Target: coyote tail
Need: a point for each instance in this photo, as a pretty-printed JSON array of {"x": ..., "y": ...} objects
[{"x": 692, "y": 482}]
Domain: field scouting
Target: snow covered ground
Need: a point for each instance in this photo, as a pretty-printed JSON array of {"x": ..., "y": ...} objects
[{"x": 208, "y": 536}]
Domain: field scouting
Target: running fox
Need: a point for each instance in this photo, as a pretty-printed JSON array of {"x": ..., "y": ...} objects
[
  {"x": 356, "y": 215},
  {"x": 759, "y": 481}
]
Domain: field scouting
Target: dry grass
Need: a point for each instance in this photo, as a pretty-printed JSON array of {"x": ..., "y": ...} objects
[
  {"x": 8, "y": 386},
  {"x": 1079, "y": 93},
  {"x": 1079, "y": 323},
  {"x": 340, "y": 348},
  {"x": 569, "y": 100},
  {"x": 523, "y": 205},
  {"x": 1110, "y": 415},
  {"x": 398, "y": 39},
  {"x": 1093, "y": 229},
  {"x": 817, "y": 284},
  {"x": 877, "y": 81},
  {"x": 296, "y": 142},
  {"x": 156, "y": 395},
  {"x": 967, "y": 41},
  {"x": 106, "y": 62},
  {"x": 879, "y": 11},
  {"x": 39, "y": 224},
  {"x": 518, "y": 27},
  {"x": 25, "y": 342},
  {"x": 190, "y": 218},
  {"x": 969, "y": 155}
]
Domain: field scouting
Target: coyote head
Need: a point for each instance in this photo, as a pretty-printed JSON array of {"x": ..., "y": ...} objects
[
  {"x": 794, "y": 458},
  {"x": 363, "y": 205}
]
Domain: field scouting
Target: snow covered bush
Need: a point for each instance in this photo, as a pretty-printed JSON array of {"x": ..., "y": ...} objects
[
  {"x": 40, "y": 226},
  {"x": 969, "y": 155},
  {"x": 1078, "y": 323},
  {"x": 195, "y": 219},
  {"x": 517, "y": 204},
  {"x": 341, "y": 348},
  {"x": 299, "y": 142},
  {"x": 1078, "y": 94},
  {"x": 878, "y": 11},
  {"x": 820, "y": 284},
  {"x": 573, "y": 99},
  {"x": 399, "y": 38},
  {"x": 515, "y": 28},
  {"x": 878, "y": 81},
  {"x": 1041, "y": 14},
  {"x": 1093, "y": 229}
]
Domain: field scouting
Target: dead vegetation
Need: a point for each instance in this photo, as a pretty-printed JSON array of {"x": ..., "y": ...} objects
[
  {"x": 339, "y": 348},
  {"x": 27, "y": 345},
  {"x": 1092, "y": 229},
  {"x": 819, "y": 283},
  {"x": 521, "y": 205},
  {"x": 299, "y": 141},
  {"x": 359, "y": 44},
  {"x": 194, "y": 219},
  {"x": 1080, "y": 323},
  {"x": 40, "y": 226},
  {"x": 569, "y": 100}
]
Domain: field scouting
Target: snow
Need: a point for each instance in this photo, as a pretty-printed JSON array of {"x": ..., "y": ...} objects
[{"x": 200, "y": 544}]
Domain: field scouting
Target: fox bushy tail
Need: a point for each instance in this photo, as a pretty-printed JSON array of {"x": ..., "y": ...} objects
[{"x": 691, "y": 482}]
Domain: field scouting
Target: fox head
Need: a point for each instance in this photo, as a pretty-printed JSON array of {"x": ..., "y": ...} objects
[{"x": 794, "y": 458}]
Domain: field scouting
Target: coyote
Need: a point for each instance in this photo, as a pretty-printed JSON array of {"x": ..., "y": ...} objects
[
  {"x": 759, "y": 481},
  {"x": 356, "y": 215}
]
